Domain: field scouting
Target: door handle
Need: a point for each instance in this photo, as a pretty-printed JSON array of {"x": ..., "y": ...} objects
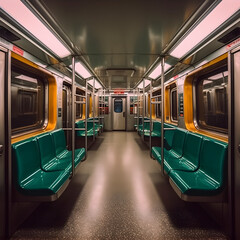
[
  {"x": 1, "y": 150},
  {"x": 123, "y": 114}
]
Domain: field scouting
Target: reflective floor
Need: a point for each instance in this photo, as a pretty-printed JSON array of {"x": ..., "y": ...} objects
[{"x": 119, "y": 193}]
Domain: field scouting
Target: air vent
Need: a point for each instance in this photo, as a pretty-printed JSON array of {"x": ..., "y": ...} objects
[
  {"x": 119, "y": 81},
  {"x": 231, "y": 36},
  {"x": 7, "y": 35}
]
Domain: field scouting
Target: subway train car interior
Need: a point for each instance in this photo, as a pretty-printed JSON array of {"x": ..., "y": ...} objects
[{"x": 119, "y": 119}]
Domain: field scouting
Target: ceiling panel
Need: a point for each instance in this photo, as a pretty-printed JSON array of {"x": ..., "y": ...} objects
[{"x": 121, "y": 34}]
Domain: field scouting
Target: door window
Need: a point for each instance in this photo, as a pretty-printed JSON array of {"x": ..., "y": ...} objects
[{"x": 118, "y": 105}]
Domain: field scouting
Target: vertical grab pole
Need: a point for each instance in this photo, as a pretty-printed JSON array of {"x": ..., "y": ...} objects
[
  {"x": 104, "y": 108},
  {"x": 143, "y": 109},
  {"x": 73, "y": 114},
  {"x": 150, "y": 127},
  {"x": 162, "y": 114},
  {"x": 138, "y": 102},
  {"x": 93, "y": 109},
  {"x": 99, "y": 109},
  {"x": 86, "y": 112}
]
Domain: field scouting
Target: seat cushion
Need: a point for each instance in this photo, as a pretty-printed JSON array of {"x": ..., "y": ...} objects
[
  {"x": 178, "y": 164},
  {"x": 79, "y": 155},
  {"x": 195, "y": 183},
  {"x": 156, "y": 153},
  {"x": 44, "y": 183}
]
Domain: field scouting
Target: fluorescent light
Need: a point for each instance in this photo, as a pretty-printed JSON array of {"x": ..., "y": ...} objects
[
  {"x": 223, "y": 11},
  {"x": 147, "y": 82},
  {"x": 97, "y": 84},
  {"x": 26, "y": 78},
  {"x": 81, "y": 70},
  {"x": 20, "y": 13},
  {"x": 218, "y": 76},
  {"x": 67, "y": 78},
  {"x": 158, "y": 70}
]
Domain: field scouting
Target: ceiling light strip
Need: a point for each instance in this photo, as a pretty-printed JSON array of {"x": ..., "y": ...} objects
[
  {"x": 221, "y": 13},
  {"x": 23, "y": 16}
]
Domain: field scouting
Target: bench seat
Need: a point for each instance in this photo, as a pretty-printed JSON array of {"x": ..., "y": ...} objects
[
  {"x": 173, "y": 151},
  {"x": 189, "y": 161},
  {"x": 81, "y": 133},
  {"x": 29, "y": 178},
  {"x": 78, "y": 157},
  {"x": 62, "y": 153},
  {"x": 53, "y": 152},
  {"x": 209, "y": 179}
]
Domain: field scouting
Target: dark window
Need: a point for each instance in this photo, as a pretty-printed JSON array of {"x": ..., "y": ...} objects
[
  {"x": 174, "y": 104},
  {"x": 158, "y": 107},
  {"x": 118, "y": 105},
  {"x": 79, "y": 105},
  {"x": 133, "y": 105},
  {"x": 27, "y": 99},
  {"x": 212, "y": 101},
  {"x": 106, "y": 106}
]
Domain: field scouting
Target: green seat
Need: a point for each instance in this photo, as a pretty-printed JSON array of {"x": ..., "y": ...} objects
[
  {"x": 146, "y": 128},
  {"x": 168, "y": 136},
  {"x": 78, "y": 157},
  {"x": 176, "y": 150},
  {"x": 60, "y": 149},
  {"x": 156, "y": 129},
  {"x": 81, "y": 124},
  {"x": 210, "y": 178},
  {"x": 173, "y": 151},
  {"x": 190, "y": 158},
  {"x": 49, "y": 161},
  {"x": 29, "y": 178},
  {"x": 156, "y": 132},
  {"x": 156, "y": 153}
]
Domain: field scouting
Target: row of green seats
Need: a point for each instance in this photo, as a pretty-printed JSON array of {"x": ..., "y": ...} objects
[
  {"x": 156, "y": 132},
  {"x": 81, "y": 124},
  {"x": 195, "y": 164},
  {"x": 42, "y": 165},
  {"x": 140, "y": 123}
]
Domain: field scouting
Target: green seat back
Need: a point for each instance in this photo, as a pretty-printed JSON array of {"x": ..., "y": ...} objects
[
  {"x": 213, "y": 159},
  {"x": 147, "y": 125},
  {"x": 157, "y": 126},
  {"x": 178, "y": 140},
  {"x": 59, "y": 140},
  {"x": 89, "y": 125},
  {"x": 26, "y": 159},
  {"x": 46, "y": 147},
  {"x": 191, "y": 148},
  {"x": 80, "y": 124}
]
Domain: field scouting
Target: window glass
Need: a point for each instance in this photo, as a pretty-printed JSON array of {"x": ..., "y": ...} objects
[
  {"x": 174, "y": 104},
  {"x": 158, "y": 107},
  {"x": 118, "y": 105},
  {"x": 212, "y": 101},
  {"x": 133, "y": 106},
  {"x": 79, "y": 106},
  {"x": 106, "y": 106},
  {"x": 27, "y": 100}
]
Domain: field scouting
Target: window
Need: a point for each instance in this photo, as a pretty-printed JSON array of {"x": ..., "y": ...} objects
[
  {"x": 158, "y": 107},
  {"x": 27, "y": 99},
  {"x": 171, "y": 103},
  {"x": 133, "y": 106},
  {"x": 79, "y": 106},
  {"x": 174, "y": 116},
  {"x": 212, "y": 101},
  {"x": 104, "y": 108},
  {"x": 118, "y": 105}
]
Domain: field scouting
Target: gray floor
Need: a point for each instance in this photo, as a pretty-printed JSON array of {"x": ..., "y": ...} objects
[{"x": 119, "y": 193}]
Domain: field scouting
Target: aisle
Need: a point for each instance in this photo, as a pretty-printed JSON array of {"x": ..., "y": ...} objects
[{"x": 119, "y": 193}]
